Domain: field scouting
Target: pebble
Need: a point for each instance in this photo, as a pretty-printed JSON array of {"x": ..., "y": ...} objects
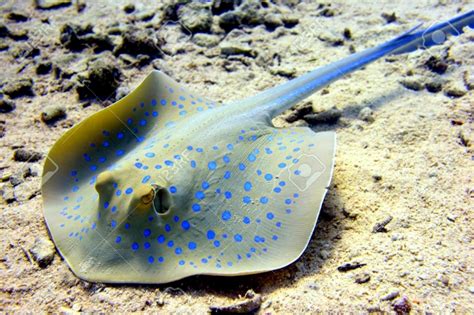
[
  {"x": 44, "y": 67},
  {"x": 471, "y": 289},
  {"x": 229, "y": 20},
  {"x": 17, "y": 16},
  {"x": 23, "y": 155},
  {"x": 19, "y": 87},
  {"x": 79, "y": 37},
  {"x": 232, "y": 48},
  {"x": 366, "y": 114},
  {"x": 389, "y": 17},
  {"x": 53, "y": 113},
  {"x": 379, "y": 227},
  {"x": 350, "y": 266},
  {"x": 414, "y": 83},
  {"x": 434, "y": 86},
  {"x": 129, "y": 8},
  {"x": 139, "y": 42},
  {"x": 330, "y": 116},
  {"x": 455, "y": 89},
  {"x": 6, "y": 106},
  {"x": 43, "y": 251},
  {"x": 436, "y": 65},
  {"x": 195, "y": 17},
  {"x": 362, "y": 278},
  {"x": 252, "y": 302},
  {"x": 52, "y": 4},
  {"x": 206, "y": 40},
  {"x": 390, "y": 296},
  {"x": 100, "y": 81},
  {"x": 402, "y": 305}
]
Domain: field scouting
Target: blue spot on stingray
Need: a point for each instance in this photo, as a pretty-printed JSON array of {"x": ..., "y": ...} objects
[
  {"x": 204, "y": 261},
  {"x": 178, "y": 250},
  {"x": 238, "y": 238},
  {"x": 193, "y": 164},
  {"x": 170, "y": 244},
  {"x": 113, "y": 223},
  {"x": 252, "y": 157},
  {"x": 118, "y": 192},
  {"x": 258, "y": 239},
  {"x": 226, "y": 159},
  {"x": 151, "y": 259},
  {"x": 142, "y": 122},
  {"x": 288, "y": 201},
  {"x": 200, "y": 150},
  {"x": 146, "y": 179},
  {"x": 282, "y": 183},
  {"x": 277, "y": 189},
  {"x": 161, "y": 259},
  {"x": 230, "y": 147},
  {"x": 211, "y": 235},
  {"x": 212, "y": 165},
  {"x": 185, "y": 225},
  {"x": 274, "y": 237},
  {"x": 146, "y": 245},
  {"x": 135, "y": 246},
  {"x": 154, "y": 114},
  {"x": 205, "y": 185},
  {"x": 167, "y": 227},
  {"x": 268, "y": 177},
  {"x": 119, "y": 152},
  {"x": 93, "y": 168},
  {"x": 163, "y": 102},
  {"x": 192, "y": 245},
  {"x": 127, "y": 226},
  {"x": 150, "y": 154},
  {"x": 241, "y": 166},
  {"x": 226, "y": 215},
  {"x": 200, "y": 195},
  {"x": 270, "y": 216},
  {"x": 161, "y": 239},
  {"x": 147, "y": 232},
  {"x": 173, "y": 189},
  {"x": 247, "y": 186},
  {"x": 181, "y": 262},
  {"x": 169, "y": 163},
  {"x": 118, "y": 239},
  {"x": 114, "y": 208},
  {"x": 175, "y": 218},
  {"x": 246, "y": 199},
  {"x": 227, "y": 174},
  {"x": 264, "y": 200},
  {"x": 157, "y": 166},
  {"x": 228, "y": 195},
  {"x": 106, "y": 204},
  {"x": 129, "y": 190},
  {"x": 217, "y": 243},
  {"x": 196, "y": 207}
]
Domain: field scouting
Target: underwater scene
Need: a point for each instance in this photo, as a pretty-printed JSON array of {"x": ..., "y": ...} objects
[{"x": 236, "y": 157}]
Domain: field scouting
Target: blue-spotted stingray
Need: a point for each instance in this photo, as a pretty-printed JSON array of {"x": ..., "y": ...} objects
[{"x": 165, "y": 184}]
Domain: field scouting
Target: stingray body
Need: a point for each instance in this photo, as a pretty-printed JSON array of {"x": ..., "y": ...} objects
[{"x": 165, "y": 184}]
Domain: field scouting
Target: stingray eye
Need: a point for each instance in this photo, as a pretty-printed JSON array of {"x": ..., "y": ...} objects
[{"x": 161, "y": 199}]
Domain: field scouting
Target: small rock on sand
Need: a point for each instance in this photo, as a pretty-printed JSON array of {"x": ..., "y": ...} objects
[
  {"x": 42, "y": 251},
  {"x": 6, "y": 106},
  {"x": 53, "y": 113},
  {"x": 23, "y": 155},
  {"x": 52, "y": 4},
  {"x": 366, "y": 114},
  {"x": 19, "y": 87},
  {"x": 402, "y": 306},
  {"x": 252, "y": 302}
]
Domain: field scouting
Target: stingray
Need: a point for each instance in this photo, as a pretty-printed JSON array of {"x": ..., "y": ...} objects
[{"x": 165, "y": 183}]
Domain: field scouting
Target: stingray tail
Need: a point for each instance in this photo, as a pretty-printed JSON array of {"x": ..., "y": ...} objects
[{"x": 275, "y": 100}]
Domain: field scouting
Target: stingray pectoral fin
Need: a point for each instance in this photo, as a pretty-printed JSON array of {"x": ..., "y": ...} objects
[
  {"x": 90, "y": 183},
  {"x": 274, "y": 199}
]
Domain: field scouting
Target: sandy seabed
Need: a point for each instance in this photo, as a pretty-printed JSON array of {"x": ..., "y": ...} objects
[{"x": 408, "y": 157}]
